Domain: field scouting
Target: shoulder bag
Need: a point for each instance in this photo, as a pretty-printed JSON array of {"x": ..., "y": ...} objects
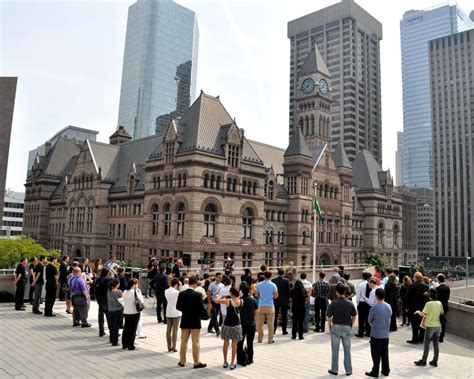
[
  {"x": 77, "y": 299},
  {"x": 138, "y": 304}
]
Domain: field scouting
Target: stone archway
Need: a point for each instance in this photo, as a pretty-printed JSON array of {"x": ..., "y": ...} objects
[
  {"x": 78, "y": 254},
  {"x": 325, "y": 259}
]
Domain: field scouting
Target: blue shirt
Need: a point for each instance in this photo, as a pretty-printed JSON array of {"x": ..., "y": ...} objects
[
  {"x": 379, "y": 319},
  {"x": 214, "y": 289},
  {"x": 265, "y": 290}
]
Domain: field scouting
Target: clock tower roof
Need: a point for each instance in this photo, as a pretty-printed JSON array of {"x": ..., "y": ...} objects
[
  {"x": 314, "y": 63},
  {"x": 297, "y": 145}
]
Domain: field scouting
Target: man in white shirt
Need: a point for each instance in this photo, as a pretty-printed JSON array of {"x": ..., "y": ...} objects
[
  {"x": 373, "y": 286},
  {"x": 363, "y": 307},
  {"x": 308, "y": 287},
  {"x": 227, "y": 282}
]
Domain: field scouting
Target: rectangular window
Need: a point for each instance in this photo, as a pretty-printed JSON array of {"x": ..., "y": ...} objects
[
  {"x": 233, "y": 153},
  {"x": 169, "y": 152}
]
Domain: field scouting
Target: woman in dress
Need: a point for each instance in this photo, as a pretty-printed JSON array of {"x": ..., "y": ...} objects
[
  {"x": 391, "y": 298},
  {"x": 115, "y": 307},
  {"x": 431, "y": 312},
  {"x": 403, "y": 297},
  {"x": 131, "y": 314},
  {"x": 232, "y": 327},
  {"x": 173, "y": 316},
  {"x": 298, "y": 297}
]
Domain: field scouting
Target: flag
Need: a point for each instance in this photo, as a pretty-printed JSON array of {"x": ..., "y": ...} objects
[{"x": 317, "y": 208}]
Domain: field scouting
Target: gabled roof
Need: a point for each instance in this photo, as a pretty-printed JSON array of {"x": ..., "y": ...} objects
[
  {"x": 105, "y": 157},
  {"x": 297, "y": 145},
  {"x": 340, "y": 157},
  {"x": 314, "y": 63},
  {"x": 272, "y": 156},
  {"x": 316, "y": 153},
  {"x": 366, "y": 171},
  {"x": 59, "y": 156}
]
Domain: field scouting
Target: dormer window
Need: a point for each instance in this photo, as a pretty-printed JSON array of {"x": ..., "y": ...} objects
[
  {"x": 233, "y": 155},
  {"x": 169, "y": 152}
]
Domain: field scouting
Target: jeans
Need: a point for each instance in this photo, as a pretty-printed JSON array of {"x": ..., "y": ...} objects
[
  {"x": 431, "y": 334},
  {"x": 37, "y": 297},
  {"x": 103, "y": 312},
  {"x": 265, "y": 313},
  {"x": 248, "y": 335},
  {"x": 19, "y": 294},
  {"x": 306, "y": 316},
  {"x": 130, "y": 330},
  {"x": 283, "y": 309},
  {"x": 298, "y": 319},
  {"x": 172, "y": 325},
  {"x": 341, "y": 332},
  {"x": 379, "y": 352},
  {"x": 115, "y": 320},
  {"x": 195, "y": 335},
  {"x": 320, "y": 306},
  {"x": 213, "y": 323}
]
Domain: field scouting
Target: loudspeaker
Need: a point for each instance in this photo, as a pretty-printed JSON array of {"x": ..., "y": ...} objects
[
  {"x": 403, "y": 271},
  {"x": 187, "y": 259}
]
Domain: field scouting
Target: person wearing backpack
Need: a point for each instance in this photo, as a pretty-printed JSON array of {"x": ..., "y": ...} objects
[
  {"x": 231, "y": 327},
  {"x": 100, "y": 289}
]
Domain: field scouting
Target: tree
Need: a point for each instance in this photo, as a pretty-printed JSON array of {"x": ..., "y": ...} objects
[
  {"x": 11, "y": 250},
  {"x": 375, "y": 259}
]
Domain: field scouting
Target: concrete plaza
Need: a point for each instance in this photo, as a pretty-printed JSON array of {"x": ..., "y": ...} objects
[{"x": 36, "y": 346}]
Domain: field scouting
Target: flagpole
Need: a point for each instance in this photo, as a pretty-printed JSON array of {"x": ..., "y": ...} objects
[{"x": 314, "y": 235}]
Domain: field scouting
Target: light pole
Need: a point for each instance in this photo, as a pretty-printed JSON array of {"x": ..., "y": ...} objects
[{"x": 467, "y": 268}]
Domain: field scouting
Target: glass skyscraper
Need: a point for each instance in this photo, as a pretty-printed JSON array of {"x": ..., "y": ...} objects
[
  {"x": 416, "y": 28},
  {"x": 159, "y": 65}
]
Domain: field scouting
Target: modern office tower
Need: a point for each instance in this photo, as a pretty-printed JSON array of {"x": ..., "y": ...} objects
[
  {"x": 75, "y": 133},
  {"x": 399, "y": 160},
  {"x": 12, "y": 216},
  {"x": 452, "y": 105},
  {"x": 159, "y": 65},
  {"x": 424, "y": 223},
  {"x": 416, "y": 28},
  {"x": 7, "y": 103},
  {"x": 348, "y": 39}
]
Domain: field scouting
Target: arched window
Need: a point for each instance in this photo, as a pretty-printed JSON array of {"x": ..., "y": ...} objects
[
  {"x": 229, "y": 184},
  {"x": 234, "y": 185},
  {"x": 279, "y": 216},
  {"x": 210, "y": 218},
  {"x": 213, "y": 181},
  {"x": 154, "y": 219},
  {"x": 218, "y": 183},
  {"x": 312, "y": 125},
  {"x": 206, "y": 180},
  {"x": 346, "y": 240},
  {"x": 247, "y": 221},
  {"x": 244, "y": 186},
  {"x": 167, "y": 209},
  {"x": 270, "y": 190},
  {"x": 396, "y": 233},
  {"x": 254, "y": 188},
  {"x": 273, "y": 216},
  {"x": 326, "y": 191},
  {"x": 305, "y": 236},
  {"x": 380, "y": 233},
  {"x": 181, "y": 211}
]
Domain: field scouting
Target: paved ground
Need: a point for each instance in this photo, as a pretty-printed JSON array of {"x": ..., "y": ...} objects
[{"x": 36, "y": 346}]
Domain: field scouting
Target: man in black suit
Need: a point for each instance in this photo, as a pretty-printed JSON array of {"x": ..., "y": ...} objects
[
  {"x": 416, "y": 300},
  {"x": 191, "y": 305},
  {"x": 443, "y": 291},
  {"x": 161, "y": 285},
  {"x": 281, "y": 303},
  {"x": 63, "y": 273}
]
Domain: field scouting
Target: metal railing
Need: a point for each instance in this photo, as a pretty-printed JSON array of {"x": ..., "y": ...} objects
[
  {"x": 7, "y": 271},
  {"x": 461, "y": 300}
]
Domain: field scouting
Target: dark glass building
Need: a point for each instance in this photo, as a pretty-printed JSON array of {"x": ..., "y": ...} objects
[{"x": 159, "y": 65}]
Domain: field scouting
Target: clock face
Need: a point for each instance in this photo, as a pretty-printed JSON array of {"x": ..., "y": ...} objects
[
  {"x": 308, "y": 85},
  {"x": 323, "y": 87}
]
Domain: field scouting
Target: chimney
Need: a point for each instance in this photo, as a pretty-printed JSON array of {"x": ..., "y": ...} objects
[{"x": 47, "y": 147}]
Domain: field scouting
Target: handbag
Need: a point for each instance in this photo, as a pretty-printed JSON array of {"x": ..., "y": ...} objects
[{"x": 138, "y": 304}]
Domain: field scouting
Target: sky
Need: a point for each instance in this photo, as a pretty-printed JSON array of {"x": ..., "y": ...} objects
[{"x": 68, "y": 58}]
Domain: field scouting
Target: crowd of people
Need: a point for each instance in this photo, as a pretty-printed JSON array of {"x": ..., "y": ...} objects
[{"x": 237, "y": 313}]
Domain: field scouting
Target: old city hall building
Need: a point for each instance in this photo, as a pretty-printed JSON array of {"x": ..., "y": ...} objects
[{"x": 202, "y": 188}]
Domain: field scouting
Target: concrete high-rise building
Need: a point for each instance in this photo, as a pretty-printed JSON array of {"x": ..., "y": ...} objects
[
  {"x": 424, "y": 223},
  {"x": 159, "y": 65},
  {"x": 12, "y": 216},
  {"x": 416, "y": 28},
  {"x": 399, "y": 160},
  {"x": 7, "y": 103},
  {"x": 348, "y": 39},
  {"x": 452, "y": 103}
]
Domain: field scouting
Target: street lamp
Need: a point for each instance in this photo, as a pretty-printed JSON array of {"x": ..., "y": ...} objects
[{"x": 467, "y": 268}]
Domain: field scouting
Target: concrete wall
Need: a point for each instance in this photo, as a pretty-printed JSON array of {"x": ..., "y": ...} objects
[{"x": 461, "y": 320}]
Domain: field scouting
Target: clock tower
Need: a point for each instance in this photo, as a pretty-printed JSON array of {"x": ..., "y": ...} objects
[{"x": 313, "y": 100}]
